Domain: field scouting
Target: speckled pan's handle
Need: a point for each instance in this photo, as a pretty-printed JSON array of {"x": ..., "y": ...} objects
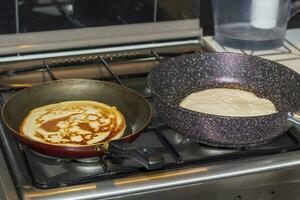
[{"x": 294, "y": 118}]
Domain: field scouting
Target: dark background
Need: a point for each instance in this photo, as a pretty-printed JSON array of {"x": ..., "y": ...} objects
[{"x": 44, "y": 15}]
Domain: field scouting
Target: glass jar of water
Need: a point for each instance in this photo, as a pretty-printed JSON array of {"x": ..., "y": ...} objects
[{"x": 251, "y": 24}]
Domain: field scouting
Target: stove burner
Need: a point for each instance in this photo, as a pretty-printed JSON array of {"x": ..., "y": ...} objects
[
  {"x": 80, "y": 160},
  {"x": 178, "y": 139},
  {"x": 46, "y": 156},
  {"x": 88, "y": 160}
]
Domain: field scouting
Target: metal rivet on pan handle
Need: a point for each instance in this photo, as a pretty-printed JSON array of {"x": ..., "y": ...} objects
[
  {"x": 98, "y": 148},
  {"x": 294, "y": 117}
]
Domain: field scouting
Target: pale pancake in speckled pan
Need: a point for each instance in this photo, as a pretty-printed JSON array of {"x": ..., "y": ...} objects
[
  {"x": 228, "y": 102},
  {"x": 74, "y": 123}
]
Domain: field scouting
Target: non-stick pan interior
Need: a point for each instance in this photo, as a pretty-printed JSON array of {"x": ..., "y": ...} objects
[
  {"x": 134, "y": 107},
  {"x": 175, "y": 78}
]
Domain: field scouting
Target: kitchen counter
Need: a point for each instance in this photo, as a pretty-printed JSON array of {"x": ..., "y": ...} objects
[{"x": 288, "y": 54}]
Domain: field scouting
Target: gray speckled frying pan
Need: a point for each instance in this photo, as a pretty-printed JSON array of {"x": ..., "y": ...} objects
[{"x": 176, "y": 78}]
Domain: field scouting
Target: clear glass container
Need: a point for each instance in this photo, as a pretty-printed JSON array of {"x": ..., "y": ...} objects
[{"x": 251, "y": 24}]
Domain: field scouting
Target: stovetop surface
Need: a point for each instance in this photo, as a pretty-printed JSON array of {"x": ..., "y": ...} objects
[{"x": 46, "y": 172}]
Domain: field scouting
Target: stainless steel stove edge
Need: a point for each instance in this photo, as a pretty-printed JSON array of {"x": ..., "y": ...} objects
[
  {"x": 150, "y": 185},
  {"x": 98, "y": 36},
  {"x": 7, "y": 188}
]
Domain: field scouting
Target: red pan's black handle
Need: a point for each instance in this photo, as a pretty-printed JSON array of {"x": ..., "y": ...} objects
[{"x": 148, "y": 158}]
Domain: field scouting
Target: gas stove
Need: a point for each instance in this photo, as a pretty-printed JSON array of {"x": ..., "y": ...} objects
[
  {"x": 120, "y": 42},
  {"x": 191, "y": 170}
]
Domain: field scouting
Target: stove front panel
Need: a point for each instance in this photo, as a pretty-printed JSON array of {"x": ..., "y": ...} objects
[
  {"x": 269, "y": 177},
  {"x": 277, "y": 185}
]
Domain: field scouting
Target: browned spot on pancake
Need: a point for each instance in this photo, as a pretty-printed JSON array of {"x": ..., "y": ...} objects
[
  {"x": 86, "y": 126},
  {"x": 39, "y": 135},
  {"x": 105, "y": 128},
  {"x": 51, "y": 125},
  {"x": 114, "y": 128}
]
